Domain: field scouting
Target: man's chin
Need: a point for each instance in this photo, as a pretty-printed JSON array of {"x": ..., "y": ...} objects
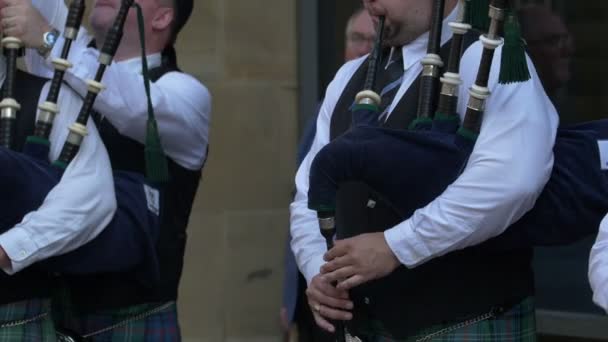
[{"x": 100, "y": 21}]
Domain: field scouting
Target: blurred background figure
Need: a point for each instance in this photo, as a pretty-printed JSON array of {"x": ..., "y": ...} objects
[
  {"x": 550, "y": 46},
  {"x": 295, "y": 315},
  {"x": 360, "y": 34}
]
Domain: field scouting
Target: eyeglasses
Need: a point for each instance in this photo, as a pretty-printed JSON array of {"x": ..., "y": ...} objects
[{"x": 356, "y": 38}]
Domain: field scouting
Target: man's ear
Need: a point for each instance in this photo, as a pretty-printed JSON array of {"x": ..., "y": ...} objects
[{"x": 163, "y": 17}]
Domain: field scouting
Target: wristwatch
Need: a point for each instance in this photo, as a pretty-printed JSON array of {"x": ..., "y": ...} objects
[{"x": 48, "y": 41}]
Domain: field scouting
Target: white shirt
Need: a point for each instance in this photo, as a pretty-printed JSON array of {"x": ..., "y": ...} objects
[
  {"x": 182, "y": 105},
  {"x": 598, "y": 266},
  {"x": 78, "y": 208},
  {"x": 507, "y": 170}
]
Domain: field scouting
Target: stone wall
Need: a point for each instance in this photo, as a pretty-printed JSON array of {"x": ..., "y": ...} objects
[{"x": 245, "y": 52}]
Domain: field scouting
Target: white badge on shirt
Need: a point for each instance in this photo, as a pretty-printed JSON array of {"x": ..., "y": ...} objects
[
  {"x": 603, "y": 147},
  {"x": 153, "y": 199}
]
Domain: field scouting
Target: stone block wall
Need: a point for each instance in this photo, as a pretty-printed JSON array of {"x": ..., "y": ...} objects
[{"x": 245, "y": 52}]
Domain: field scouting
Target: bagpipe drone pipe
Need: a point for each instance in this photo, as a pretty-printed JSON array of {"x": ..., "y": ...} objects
[{"x": 128, "y": 242}]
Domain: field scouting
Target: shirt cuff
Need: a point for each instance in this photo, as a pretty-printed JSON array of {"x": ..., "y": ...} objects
[
  {"x": 312, "y": 268},
  {"x": 19, "y": 247},
  {"x": 407, "y": 245},
  {"x": 600, "y": 297}
]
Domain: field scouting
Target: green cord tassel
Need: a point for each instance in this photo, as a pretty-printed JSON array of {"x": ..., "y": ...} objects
[
  {"x": 157, "y": 170},
  {"x": 478, "y": 14},
  {"x": 514, "y": 66},
  {"x": 156, "y": 163}
]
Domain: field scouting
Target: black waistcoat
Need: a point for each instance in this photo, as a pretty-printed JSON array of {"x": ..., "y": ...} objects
[
  {"x": 107, "y": 291},
  {"x": 28, "y": 283},
  {"x": 451, "y": 288}
]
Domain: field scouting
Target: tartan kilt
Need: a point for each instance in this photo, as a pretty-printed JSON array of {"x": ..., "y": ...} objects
[
  {"x": 161, "y": 326},
  {"x": 515, "y": 325},
  {"x": 39, "y": 330}
]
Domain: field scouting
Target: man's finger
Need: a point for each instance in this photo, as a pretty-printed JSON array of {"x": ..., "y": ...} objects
[
  {"x": 336, "y": 263},
  {"x": 8, "y": 22},
  {"x": 9, "y": 32},
  {"x": 336, "y": 252},
  {"x": 351, "y": 282},
  {"x": 9, "y": 12},
  {"x": 317, "y": 296},
  {"x": 340, "y": 274},
  {"x": 330, "y": 290},
  {"x": 333, "y": 314},
  {"x": 8, "y": 2},
  {"x": 323, "y": 323}
]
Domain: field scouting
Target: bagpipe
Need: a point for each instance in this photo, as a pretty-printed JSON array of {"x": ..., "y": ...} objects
[
  {"x": 128, "y": 242},
  {"x": 438, "y": 145}
]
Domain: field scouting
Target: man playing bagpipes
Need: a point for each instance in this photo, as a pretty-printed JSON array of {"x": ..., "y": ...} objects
[
  {"x": 71, "y": 186},
  {"x": 115, "y": 305},
  {"x": 72, "y": 213},
  {"x": 416, "y": 185}
]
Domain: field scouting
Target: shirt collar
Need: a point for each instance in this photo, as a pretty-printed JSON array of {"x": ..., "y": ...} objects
[
  {"x": 416, "y": 50},
  {"x": 154, "y": 60}
]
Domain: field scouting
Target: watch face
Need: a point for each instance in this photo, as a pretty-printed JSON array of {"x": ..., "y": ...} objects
[{"x": 50, "y": 38}]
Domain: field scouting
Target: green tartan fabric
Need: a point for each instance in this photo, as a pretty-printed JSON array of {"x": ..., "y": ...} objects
[
  {"x": 40, "y": 330},
  {"x": 161, "y": 326},
  {"x": 515, "y": 325}
]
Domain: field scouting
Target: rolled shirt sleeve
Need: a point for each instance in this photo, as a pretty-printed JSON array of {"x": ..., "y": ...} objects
[
  {"x": 182, "y": 106},
  {"x": 77, "y": 209},
  {"x": 508, "y": 168}
]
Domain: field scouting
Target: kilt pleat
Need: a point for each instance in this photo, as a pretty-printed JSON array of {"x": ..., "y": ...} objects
[
  {"x": 516, "y": 325},
  {"x": 159, "y": 326},
  {"x": 41, "y": 329}
]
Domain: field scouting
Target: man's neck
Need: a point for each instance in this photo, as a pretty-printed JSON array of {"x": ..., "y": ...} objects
[{"x": 128, "y": 48}]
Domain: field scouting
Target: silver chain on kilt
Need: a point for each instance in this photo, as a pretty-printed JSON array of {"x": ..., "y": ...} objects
[
  {"x": 21, "y": 322},
  {"x": 130, "y": 319}
]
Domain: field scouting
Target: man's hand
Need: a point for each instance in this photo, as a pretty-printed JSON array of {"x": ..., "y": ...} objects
[
  {"x": 284, "y": 319},
  {"x": 5, "y": 262},
  {"x": 328, "y": 303},
  {"x": 358, "y": 260},
  {"x": 20, "y": 19}
]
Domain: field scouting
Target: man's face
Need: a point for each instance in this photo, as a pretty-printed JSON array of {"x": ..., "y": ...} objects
[
  {"x": 104, "y": 13},
  {"x": 360, "y": 36},
  {"x": 550, "y": 46},
  {"x": 405, "y": 21}
]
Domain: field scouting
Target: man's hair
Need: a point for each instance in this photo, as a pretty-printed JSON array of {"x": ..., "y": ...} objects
[
  {"x": 353, "y": 16},
  {"x": 182, "y": 9}
]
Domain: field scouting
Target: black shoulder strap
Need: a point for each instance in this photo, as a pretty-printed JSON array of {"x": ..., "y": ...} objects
[
  {"x": 405, "y": 111},
  {"x": 341, "y": 118}
]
